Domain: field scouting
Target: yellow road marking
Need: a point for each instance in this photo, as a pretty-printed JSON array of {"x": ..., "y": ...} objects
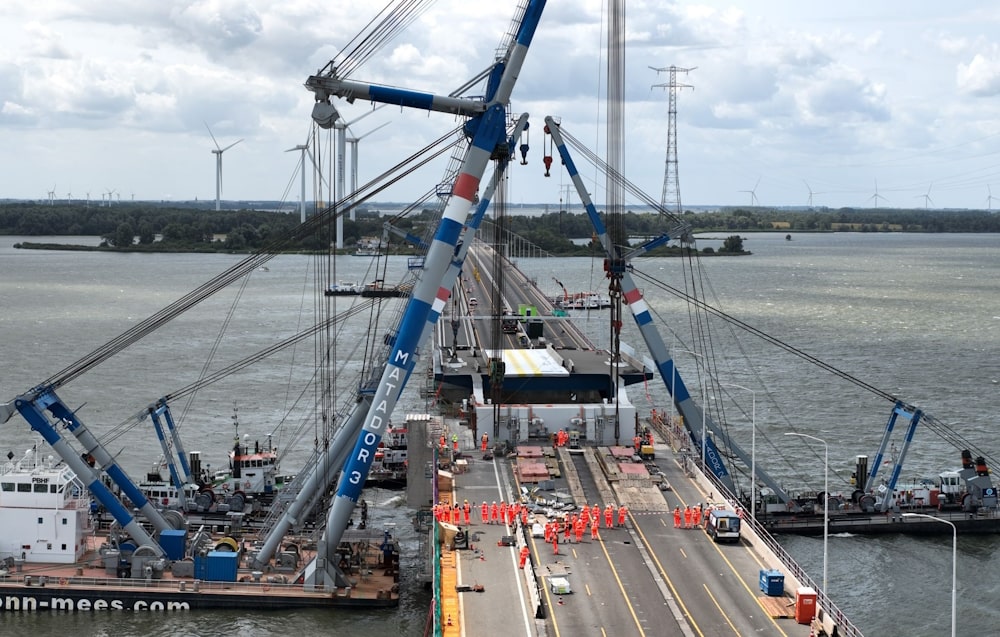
[
  {"x": 621, "y": 587},
  {"x": 721, "y": 612},
  {"x": 663, "y": 573}
]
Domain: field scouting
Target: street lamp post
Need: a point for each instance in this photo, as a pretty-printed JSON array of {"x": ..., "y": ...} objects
[
  {"x": 753, "y": 448},
  {"x": 826, "y": 499},
  {"x": 704, "y": 415},
  {"x": 954, "y": 560}
]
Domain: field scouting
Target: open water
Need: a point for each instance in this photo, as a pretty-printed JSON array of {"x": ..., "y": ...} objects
[{"x": 915, "y": 315}]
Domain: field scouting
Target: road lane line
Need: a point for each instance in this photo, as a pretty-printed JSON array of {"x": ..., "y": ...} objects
[{"x": 721, "y": 612}]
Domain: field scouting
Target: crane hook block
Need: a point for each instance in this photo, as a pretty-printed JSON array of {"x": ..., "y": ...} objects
[
  {"x": 547, "y": 160},
  {"x": 524, "y": 154}
]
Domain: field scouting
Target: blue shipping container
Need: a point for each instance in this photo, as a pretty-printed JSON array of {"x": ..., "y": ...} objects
[
  {"x": 772, "y": 583},
  {"x": 221, "y": 566}
]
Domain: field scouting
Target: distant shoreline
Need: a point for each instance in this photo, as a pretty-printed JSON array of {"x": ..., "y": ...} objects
[{"x": 150, "y": 249}]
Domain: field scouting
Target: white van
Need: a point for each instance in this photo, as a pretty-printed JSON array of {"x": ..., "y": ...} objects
[{"x": 723, "y": 525}]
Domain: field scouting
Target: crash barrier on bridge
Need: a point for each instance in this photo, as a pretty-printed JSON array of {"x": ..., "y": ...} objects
[
  {"x": 832, "y": 620},
  {"x": 531, "y": 579}
]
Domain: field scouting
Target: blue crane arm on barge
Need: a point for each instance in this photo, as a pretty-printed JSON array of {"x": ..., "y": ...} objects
[{"x": 33, "y": 406}]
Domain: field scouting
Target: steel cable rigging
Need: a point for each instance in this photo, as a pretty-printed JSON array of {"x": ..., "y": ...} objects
[
  {"x": 932, "y": 423},
  {"x": 249, "y": 264},
  {"x": 239, "y": 365},
  {"x": 374, "y": 36}
]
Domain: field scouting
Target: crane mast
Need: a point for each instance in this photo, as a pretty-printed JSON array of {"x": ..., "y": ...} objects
[
  {"x": 691, "y": 412},
  {"x": 487, "y": 130}
]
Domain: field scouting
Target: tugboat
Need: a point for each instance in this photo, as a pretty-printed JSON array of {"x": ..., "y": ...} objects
[{"x": 389, "y": 467}]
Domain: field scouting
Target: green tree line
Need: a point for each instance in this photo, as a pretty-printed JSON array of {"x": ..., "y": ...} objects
[{"x": 142, "y": 226}]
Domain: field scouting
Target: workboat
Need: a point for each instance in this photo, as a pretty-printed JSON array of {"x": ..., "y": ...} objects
[
  {"x": 390, "y": 466},
  {"x": 344, "y": 288},
  {"x": 56, "y": 555}
]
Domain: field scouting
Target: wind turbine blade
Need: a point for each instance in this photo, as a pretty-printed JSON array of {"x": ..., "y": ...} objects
[
  {"x": 372, "y": 131},
  {"x": 317, "y": 169},
  {"x": 347, "y": 125},
  {"x": 210, "y": 133},
  {"x": 222, "y": 150}
]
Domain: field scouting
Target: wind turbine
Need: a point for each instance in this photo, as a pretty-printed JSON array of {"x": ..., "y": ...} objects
[
  {"x": 989, "y": 198},
  {"x": 111, "y": 195},
  {"x": 353, "y": 141},
  {"x": 753, "y": 194},
  {"x": 811, "y": 193},
  {"x": 88, "y": 200},
  {"x": 927, "y": 196},
  {"x": 342, "y": 127},
  {"x": 304, "y": 150},
  {"x": 876, "y": 196},
  {"x": 218, "y": 166},
  {"x": 52, "y": 195}
]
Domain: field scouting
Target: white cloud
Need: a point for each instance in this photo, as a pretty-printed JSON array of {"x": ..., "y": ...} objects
[
  {"x": 782, "y": 87},
  {"x": 981, "y": 76}
]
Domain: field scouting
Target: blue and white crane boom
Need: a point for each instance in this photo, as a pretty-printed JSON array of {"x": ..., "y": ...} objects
[
  {"x": 171, "y": 446},
  {"x": 32, "y": 407},
  {"x": 323, "y": 473},
  {"x": 616, "y": 263},
  {"x": 487, "y": 130}
]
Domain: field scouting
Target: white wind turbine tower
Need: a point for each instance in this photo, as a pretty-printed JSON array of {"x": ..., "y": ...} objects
[
  {"x": 927, "y": 196},
  {"x": 989, "y": 198},
  {"x": 753, "y": 194},
  {"x": 52, "y": 195},
  {"x": 88, "y": 199},
  {"x": 303, "y": 149},
  {"x": 811, "y": 193},
  {"x": 353, "y": 141},
  {"x": 341, "y": 126},
  {"x": 218, "y": 166},
  {"x": 302, "y": 168},
  {"x": 876, "y": 196}
]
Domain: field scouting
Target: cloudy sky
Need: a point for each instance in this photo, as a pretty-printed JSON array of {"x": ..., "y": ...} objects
[{"x": 790, "y": 97}]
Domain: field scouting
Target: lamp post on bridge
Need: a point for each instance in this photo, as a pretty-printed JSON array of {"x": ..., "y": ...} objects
[
  {"x": 753, "y": 448},
  {"x": 954, "y": 559},
  {"x": 826, "y": 498}
]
